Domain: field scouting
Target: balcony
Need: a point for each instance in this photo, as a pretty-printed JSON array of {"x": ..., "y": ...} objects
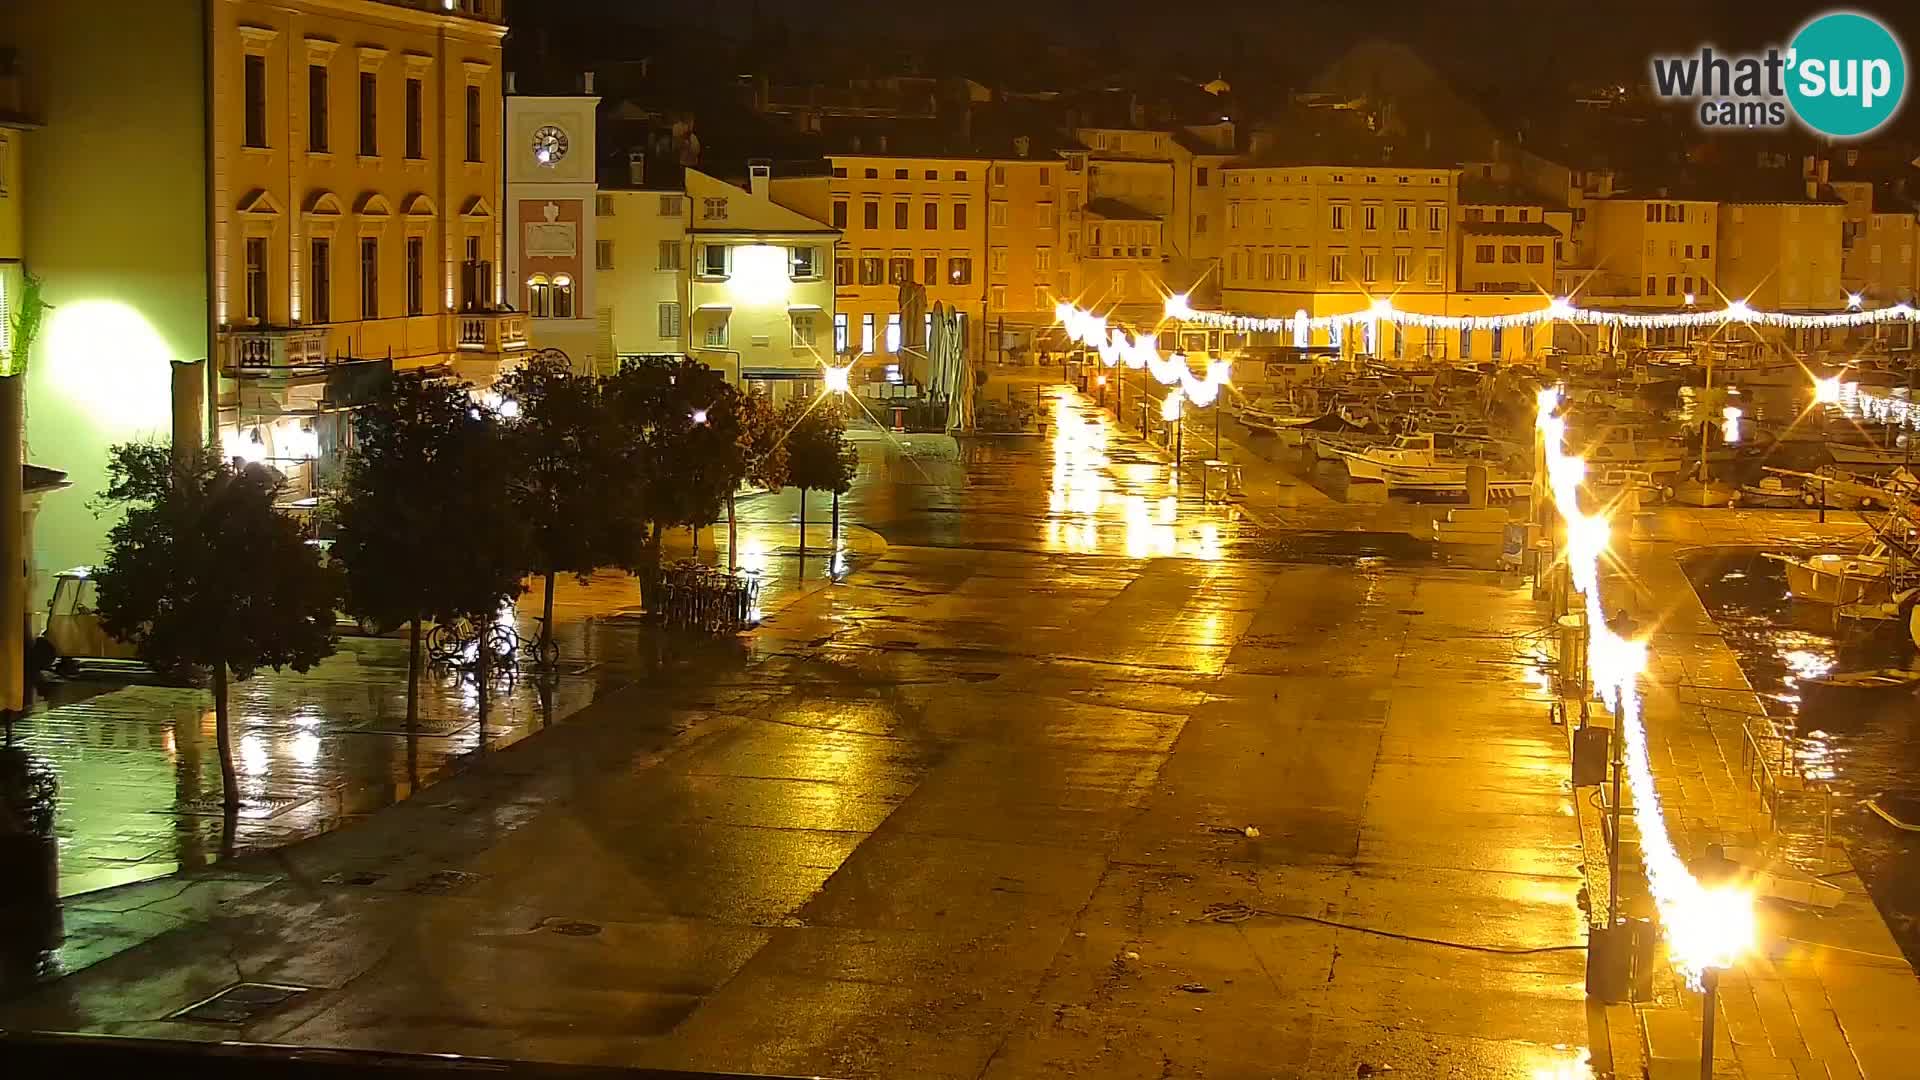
[
  {"x": 274, "y": 350},
  {"x": 486, "y": 10},
  {"x": 496, "y": 332}
]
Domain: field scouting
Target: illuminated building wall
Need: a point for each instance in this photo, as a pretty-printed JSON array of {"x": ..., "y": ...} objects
[
  {"x": 904, "y": 218},
  {"x": 1652, "y": 252},
  {"x": 760, "y": 283},
  {"x": 554, "y": 249},
  {"x": 1877, "y": 243},
  {"x": 1783, "y": 256},
  {"x": 113, "y": 195},
  {"x": 645, "y": 291}
]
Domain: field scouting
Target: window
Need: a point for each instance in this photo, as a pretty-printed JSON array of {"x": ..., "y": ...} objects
[
  {"x": 1483, "y": 253},
  {"x": 997, "y": 260},
  {"x": 1369, "y": 265},
  {"x": 932, "y": 174},
  {"x": 871, "y": 270},
  {"x": 803, "y": 263},
  {"x": 669, "y": 206},
  {"x": 960, "y": 212},
  {"x": 1436, "y": 219},
  {"x": 873, "y": 174},
  {"x": 866, "y": 332},
  {"x": 802, "y": 329},
  {"x": 1500, "y": 213},
  {"x": 840, "y": 172},
  {"x": 603, "y": 206},
  {"x": 1046, "y": 177},
  {"x": 893, "y": 332},
  {"x": 257, "y": 278},
  {"x": 839, "y": 213},
  {"x": 1653, "y": 286},
  {"x": 369, "y": 277},
  {"x": 1402, "y": 268},
  {"x": 1650, "y": 249},
  {"x": 1046, "y": 215},
  {"x": 840, "y": 332},
  {"x": 1673, "y": 285},
  {"x": 843, "y": 271},
  {"x": 1403, "y": 218},
  {"x": 1536, "y": 253},
  {"x": 320, "y": 280},
  {"x": 1673, "y": 249},
  {"x": 999, "y": 176},
  {"x": 256, "y": 104},
  {"x": 959, "y": 174},
  {"x": 1199, "y": 224},
  {"x": 899, "y": 174},
  {"x": 1370, "y": 217},
  {"x": 1466, "y": 344},
  {"x": 1497, "y": 336},
  {"x": 316, "y": 108},
  {"x": 899, "y": 270},
  {"x": 1689, "y": 251},
  {"x": 1043, "y": 258},
  {"x": 474, "y": 131},
  {"x": 1434, "y": 271},
  {"x": 1510, "y": 253},
  {"x": 1267, "y": 267},
  {"x": 1686, "y": 284},
  {"x": 603, "y": 254},
  {"x": 1706, "y": 251},
  {"x": 715, "y": 260},
  {"x": 1339, "y": 215},
  {"x": 930, "y": 270},
  {"x": 960, "y": 270},
  {"x": 998, "y": 299},
  {"x": 1336, "y": 268},
  {"x": 1199, "y": 177},
  {"x": 716, "y": 335},
  {"x": 713, "y": 209},
  {"x": 669, "y": 255},
  {"x": 416, "y": 275},
  {"x": 870, "y": 215},
  {"x": 476, "y": 277},
  {"x": 670, "y": 319},
  {"x": 997, "y": 214},
  {"x": 1653, "y": 211},
  {"x": 930, "y": 216},
  {"x": 900, "y": 212},
  {"x": 1233, "y": 215},
  {"x": 369, "y": 115},
  {"x": 416, "y": 140}
]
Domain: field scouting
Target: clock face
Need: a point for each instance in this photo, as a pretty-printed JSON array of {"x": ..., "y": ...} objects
[{"x": 549, "y": 144}]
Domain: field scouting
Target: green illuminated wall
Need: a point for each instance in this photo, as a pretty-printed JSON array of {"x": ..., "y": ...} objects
[{"x": 114, "y": 194}]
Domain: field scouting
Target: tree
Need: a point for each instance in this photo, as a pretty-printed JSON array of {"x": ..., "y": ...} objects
[
  {"x": 203, "y": 572},
  {"x": 678, "y": 426},
  {"x": 819, "y": 457},
  {"x": 562, "y": 457},
  {"x": 426, "y": 522}
]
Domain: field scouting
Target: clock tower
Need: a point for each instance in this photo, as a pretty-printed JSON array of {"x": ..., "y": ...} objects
[{"x": 553, "y": 245}]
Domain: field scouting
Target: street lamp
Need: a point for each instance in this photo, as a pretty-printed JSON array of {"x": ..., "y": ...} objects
[{"x": 1170, "y": 412}]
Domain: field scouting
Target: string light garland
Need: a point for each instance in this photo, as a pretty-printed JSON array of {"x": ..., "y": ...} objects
[
  {"x": 1142, "y": 352},
  {"x": 1559, "y": 309}
]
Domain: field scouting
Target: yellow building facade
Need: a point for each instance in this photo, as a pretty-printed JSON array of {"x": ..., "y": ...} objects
[{"x": 644, "y": 284}]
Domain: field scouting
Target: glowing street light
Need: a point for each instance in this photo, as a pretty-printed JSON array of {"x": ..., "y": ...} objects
[
  {"x": 837, "y": 379},
  {"x": 1855, "y": 301},
  {"x": 1826, "y": 391},
  {"x": 699, "y": 416}
]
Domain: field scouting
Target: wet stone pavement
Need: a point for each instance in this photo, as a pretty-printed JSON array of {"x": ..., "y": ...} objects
[{"x": 1072, "y": 774}]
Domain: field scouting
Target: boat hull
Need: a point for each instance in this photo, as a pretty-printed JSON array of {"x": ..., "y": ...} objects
[{"x": 1837, "y": 581}]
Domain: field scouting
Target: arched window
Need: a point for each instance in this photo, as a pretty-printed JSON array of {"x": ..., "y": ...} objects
[
  {"x": 539, "y": 297},
  {"x": 562, "y": 296}
]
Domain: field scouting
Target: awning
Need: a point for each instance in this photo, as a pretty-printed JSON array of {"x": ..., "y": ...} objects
[
  {"x": 805, "y": 307},
  {"x": 773, "y": 373},
  {"x": 713, "y": 306},
  {"x": 355, "y": 383}
]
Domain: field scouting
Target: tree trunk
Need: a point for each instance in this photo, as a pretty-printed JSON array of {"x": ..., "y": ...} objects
[
  {"x": 733, "y": 537},
  {"x": 413, "y": 671},
  {"x": 223, "y": 739},
  {"x": 546, "y": 622},
  {"x": 803, "y": 532}
]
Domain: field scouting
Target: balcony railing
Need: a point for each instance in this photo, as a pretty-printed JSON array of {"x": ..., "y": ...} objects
[
  {"x": 493, "y": 331},
  {"x": 267, "y": 349}
]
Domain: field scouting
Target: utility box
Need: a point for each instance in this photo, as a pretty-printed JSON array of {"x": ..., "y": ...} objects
[
  {"x": 1591, "y": 745},
  {"x": 1609, "y": 963}
]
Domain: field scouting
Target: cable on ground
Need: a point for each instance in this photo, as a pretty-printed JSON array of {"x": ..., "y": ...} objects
[{"x": 1239, "y": 913}]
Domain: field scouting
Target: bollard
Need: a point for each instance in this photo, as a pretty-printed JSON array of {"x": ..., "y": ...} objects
[{"x": 1476, "y": 485}]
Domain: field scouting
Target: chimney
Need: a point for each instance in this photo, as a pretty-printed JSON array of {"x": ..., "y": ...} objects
[
  {"x": 759, "y": 178},
  {"x": 637, "y": 168},
  {"x": 586, "y": 82},
  {"x": 1021, "y": 144},
  {"x": 1813, "y": 189},
  {"x": 1826, "y": 170},
  {"x": 507, "y": 86}
]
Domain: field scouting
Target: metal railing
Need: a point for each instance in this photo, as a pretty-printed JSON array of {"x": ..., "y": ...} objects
[{"x": 1767, "y": 759}]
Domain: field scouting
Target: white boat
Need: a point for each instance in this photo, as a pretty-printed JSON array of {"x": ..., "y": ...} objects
[
  {"x": 1873, "y": 457},
  {"x": 1862, "y": 579},
  {"x": 1366, "y": 463},
  {"x": 1627, "y": 446},
  {"x": 1771, "y": 491}
]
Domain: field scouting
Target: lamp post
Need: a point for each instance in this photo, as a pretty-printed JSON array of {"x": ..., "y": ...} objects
[
  {"x": 1170, "y": 411},
  {"x": 1709, "y": 1004}
]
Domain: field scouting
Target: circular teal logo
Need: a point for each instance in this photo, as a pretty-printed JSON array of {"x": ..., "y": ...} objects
[{"x": 1846, "y": 74}]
